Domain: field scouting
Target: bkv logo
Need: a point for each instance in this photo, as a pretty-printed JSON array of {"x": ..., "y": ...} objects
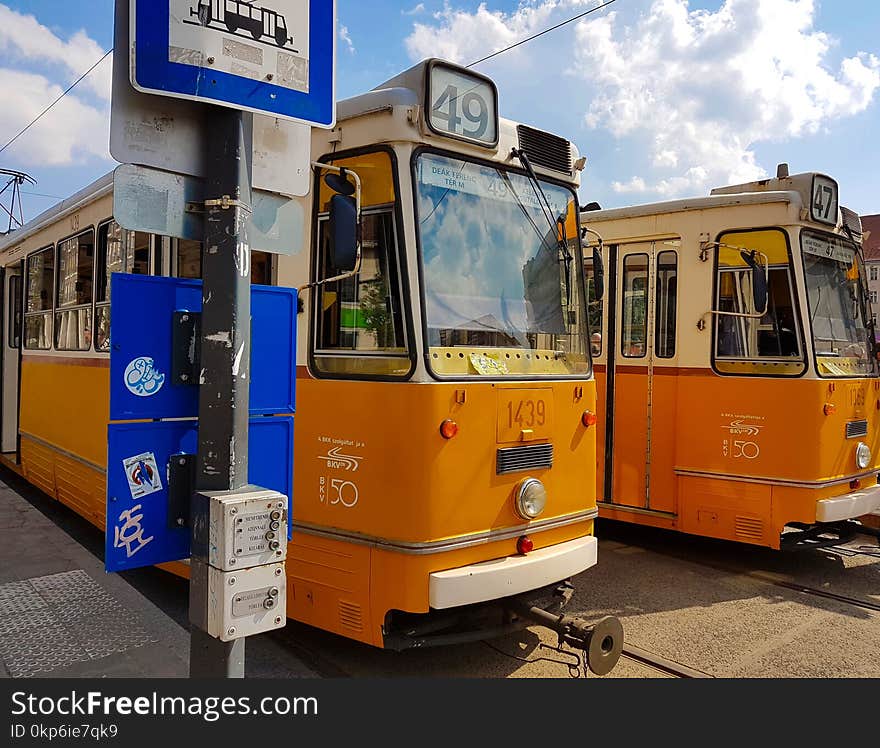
[
  {"x": 339, "y": 461},
  {"x": 142, "y": 378},
  {"x": 738, "y": 427}
]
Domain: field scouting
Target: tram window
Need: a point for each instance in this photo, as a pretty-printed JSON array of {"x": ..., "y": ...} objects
[
  {"x": 362, "y": 313},
  {"x": 13, "y": 335},
  {"x": 189, "y": 262},
  {"x": 73, "y": 315},
  {"x": 666, "y": 303},
  {"x": 359, "y": 324},
  {"x": 40, "y": 292},
  {"x": 261, "y": 268},
  {"x": 739, "y": 338},
  {"x": 634, "y": 335},
  {"x": 594, "y": 309},
  {"x": 119, "y": 251},
  {"x": 189, "y": 259}
]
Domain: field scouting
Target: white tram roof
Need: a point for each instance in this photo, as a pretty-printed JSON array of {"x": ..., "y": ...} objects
[
  {"x": 794, "y": 190},
  {"x": 691, "y": 203},
  {"x": 97, "y": 189}
]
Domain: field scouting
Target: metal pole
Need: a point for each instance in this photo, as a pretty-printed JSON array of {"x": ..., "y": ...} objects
[{"x": 225, "y": 347}]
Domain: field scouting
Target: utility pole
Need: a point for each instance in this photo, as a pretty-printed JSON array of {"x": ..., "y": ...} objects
[{"x": 222, "y": 463}]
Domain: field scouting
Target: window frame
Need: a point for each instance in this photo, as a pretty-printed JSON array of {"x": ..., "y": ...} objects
[
  {"x": 796, "y": 307},
  {"x": 647, "y": 292},
  {"x": 376, "y": 210},
  {"x": 657, "y": 291},
  {"x": 588, "y": 276},
  {"x": 174, "y": 270},
  {"x": 151, "y": 266},
  {"x": 869, "y": 309},
  {"x": 14, "y": 308},
  {"x": 405, "y": 289},
  {"x": 420, "y": 263},
  {"x": 75, "y": 307},
  {"x": 50, "y": 312}
]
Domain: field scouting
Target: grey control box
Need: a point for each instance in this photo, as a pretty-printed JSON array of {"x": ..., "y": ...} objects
[
  {"x": 236, "y": 604},
  {"x": 240, "y": 530}
]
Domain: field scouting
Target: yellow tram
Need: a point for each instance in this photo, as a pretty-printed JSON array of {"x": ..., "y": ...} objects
[
  {"x": 445, "y": 437},
  {"x": 736, "y": 365}
]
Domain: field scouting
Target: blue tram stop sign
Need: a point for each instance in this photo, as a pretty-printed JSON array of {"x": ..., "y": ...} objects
[{"x": 273, "y": 57}]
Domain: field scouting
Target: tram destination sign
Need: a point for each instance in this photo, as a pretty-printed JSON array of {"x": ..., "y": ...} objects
[{"x": 272, "y": 57}]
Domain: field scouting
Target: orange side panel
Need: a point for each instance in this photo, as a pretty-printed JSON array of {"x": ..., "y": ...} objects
[
  {"x": 630, "y": 438},
  {"x": 724, "y": 509},
  {"x": 328, "y": 585},
  {"x": 663, "y": 444}
]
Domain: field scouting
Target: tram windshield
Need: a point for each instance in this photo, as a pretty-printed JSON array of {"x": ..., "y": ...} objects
[
  {"x": 502, "y": 285},
  {"x": 836, "y": 294}
]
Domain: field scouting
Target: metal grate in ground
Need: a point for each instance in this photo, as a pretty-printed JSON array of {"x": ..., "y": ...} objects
[{"x": 51, "y": 622}]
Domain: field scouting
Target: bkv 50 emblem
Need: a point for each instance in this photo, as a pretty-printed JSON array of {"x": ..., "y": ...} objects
[{"x": 142, "y": 378}]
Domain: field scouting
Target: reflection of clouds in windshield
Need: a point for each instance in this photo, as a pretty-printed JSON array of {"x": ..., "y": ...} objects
[{"x": 475, "y": 249}]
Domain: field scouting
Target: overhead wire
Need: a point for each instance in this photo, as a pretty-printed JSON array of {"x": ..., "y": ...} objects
[
  {"x": 48, "y": 108},
  {"x": 541, "y": 33}
]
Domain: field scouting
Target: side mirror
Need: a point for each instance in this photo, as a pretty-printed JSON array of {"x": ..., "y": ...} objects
[
  {"x": 598, "y": 274},
  {"x": 759, "y": 281},
  {"x": 343, "y": 233}
]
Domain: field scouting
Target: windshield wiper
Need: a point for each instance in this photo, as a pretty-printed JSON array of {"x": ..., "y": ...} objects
[{"x": 557, "y": 225}]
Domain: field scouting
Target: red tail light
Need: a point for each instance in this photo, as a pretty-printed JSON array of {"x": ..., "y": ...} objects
[
  {"x": 589, "y": 418},
  {"x": 525, "y": 545}
]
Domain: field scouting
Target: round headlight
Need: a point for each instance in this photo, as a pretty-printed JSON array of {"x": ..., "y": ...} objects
[
  {"x": 531, "y": 498},
  {"x": 863, "y": 455}
]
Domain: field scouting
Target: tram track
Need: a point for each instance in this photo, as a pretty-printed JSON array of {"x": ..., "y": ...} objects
[
  {"x": 657, "y": 662},
  {"x": 813, "y": 591},
  {"x": 767, "y": 577}
]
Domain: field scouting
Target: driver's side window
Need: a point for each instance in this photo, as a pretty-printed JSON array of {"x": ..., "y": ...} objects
[
  {"x": 360, "y": 322},
  {"x": 770, "y": 344}
]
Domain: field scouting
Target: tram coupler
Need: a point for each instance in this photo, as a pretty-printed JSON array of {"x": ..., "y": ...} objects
[{"x": 602, "y": 641}]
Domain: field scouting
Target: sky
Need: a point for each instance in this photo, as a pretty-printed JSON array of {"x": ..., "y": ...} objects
[{"x": 666, "y": 98}]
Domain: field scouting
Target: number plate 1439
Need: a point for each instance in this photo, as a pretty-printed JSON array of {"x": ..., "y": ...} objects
[{"x": 524, "y": 415}]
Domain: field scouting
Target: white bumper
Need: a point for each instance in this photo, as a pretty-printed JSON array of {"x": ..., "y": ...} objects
[
  {"x": 849, "y": 505},
  {"x": 512, "y": 575}
]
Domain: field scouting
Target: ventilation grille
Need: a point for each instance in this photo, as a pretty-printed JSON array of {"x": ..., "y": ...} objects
[
  {"x": 350, "y": 616},
  {"x": 519, "y": 459},
  {"x": 856, "y": 428},
  {"x": 544, "y": 149},
  {"x": 852, "y": 221},
  {"x": 749, "y": 527}
]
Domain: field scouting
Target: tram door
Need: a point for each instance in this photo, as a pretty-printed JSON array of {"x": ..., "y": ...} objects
[
  {"x": 11, "y": 338},
  {"x": 640, "y": 380}
]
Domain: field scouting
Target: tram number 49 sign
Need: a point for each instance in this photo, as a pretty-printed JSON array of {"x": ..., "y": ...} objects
[{"x": 463, "y": 106}]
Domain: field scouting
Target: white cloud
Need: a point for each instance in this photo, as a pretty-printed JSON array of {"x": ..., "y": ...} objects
[
  {"x": 38, "y": 66},
  {"x": 25, "y": 38},
  {"x": 346, "y": 37},
  {"x": 420, "y": 8},
  {"x": 688, "y": 93},
  {"x": 703, "y": 88},
  {"x": 461, "y": 36},
  {"x": 72, "y": 131}
]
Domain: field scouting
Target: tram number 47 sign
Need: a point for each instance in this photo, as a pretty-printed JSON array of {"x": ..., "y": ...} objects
[{"x": 269, "y": 56}]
